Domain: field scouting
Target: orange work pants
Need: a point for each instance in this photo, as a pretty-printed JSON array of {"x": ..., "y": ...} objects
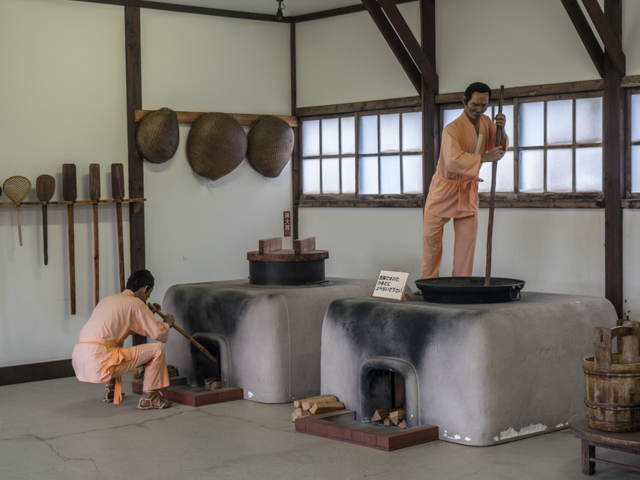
[
  {"x": 149, "y": 354},
  {"x": 464, "y": 246}
]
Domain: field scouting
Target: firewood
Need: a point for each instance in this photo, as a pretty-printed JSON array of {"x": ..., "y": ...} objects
[
  {"x": 397, "y": 416},
  {"x": 402, "y": 424},
  {"x": 324, "y": 407},
  {"x": 317, "y": 398},
  {"x": 299, "y": 413},
  {"x": 387, "y": 422},
  {"x": 380, "y": 414}
]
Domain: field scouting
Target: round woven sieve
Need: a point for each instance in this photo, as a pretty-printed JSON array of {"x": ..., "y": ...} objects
[{"x": 17, "y": 188}]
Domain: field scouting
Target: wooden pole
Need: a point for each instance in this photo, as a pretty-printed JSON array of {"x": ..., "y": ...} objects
[{"x": 492, "y": 201}]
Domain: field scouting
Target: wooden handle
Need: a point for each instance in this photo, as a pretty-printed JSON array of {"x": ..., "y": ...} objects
[
  {"x": 19, "y": 225},
  {"x": 94, "y": 194},
  {"x": 72, "y": 259},
  {"x": 117, "y": 192},
  {"x": 45, "y": 234},
  {"x": 492, "y": 200},
  {"x": 185, "y": 334}
]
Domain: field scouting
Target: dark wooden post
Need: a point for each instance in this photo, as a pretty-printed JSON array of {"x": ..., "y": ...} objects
[
  {"x": 296, "y": 159},
  {"x": 430, "y": 117},
  {"x": 614, "y": 127},
  {"x": 135, "y": 168}
]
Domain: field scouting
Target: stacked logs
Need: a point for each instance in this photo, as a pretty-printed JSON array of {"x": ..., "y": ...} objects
[
  {"x": 394, "y": 417},
  {"x": 315, "y": 405}
]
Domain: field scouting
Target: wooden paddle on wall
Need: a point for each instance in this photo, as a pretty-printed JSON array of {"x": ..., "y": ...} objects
[
  {"x": 117, "y": 192},
  {"x": 70, "y": 194},
  {"x": 492, "y": 200},
  {"x": 94, "y": 194},
  {"x": 45, "y": 187}
]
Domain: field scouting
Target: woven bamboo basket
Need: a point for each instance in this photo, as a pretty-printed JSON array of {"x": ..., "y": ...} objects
[
  {"x": 216, "y": 145},
  {"x": 270, "y": 145},
  {"x": 158, "y": 135}
]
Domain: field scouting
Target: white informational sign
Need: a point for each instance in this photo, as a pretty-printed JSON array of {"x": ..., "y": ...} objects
[{"x": 390, "y": 284}]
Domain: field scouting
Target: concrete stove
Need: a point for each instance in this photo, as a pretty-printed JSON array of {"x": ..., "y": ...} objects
[
  {"x": 483, "y": 373},
  {"x": 266, "y": 338}
]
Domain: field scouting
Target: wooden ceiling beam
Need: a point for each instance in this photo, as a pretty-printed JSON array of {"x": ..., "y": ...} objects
[
  {"x": 612, "y": 46},
  {"x": 412, "y": 45},
  {"x": 586, "y": 34},
  {"x": 395, "y": 43}
]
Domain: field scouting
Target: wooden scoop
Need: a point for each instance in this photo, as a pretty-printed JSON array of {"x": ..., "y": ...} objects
[
  {"x": 70, "y": 193},
  {"x": 117, "y": 192},
  {"x": 45, "y": 187},
  {"x": 17, "y": 188},
  {"x": 94, "y": 194}
]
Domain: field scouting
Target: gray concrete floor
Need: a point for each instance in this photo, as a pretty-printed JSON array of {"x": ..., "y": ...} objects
[{"x": 61, "y": 429}]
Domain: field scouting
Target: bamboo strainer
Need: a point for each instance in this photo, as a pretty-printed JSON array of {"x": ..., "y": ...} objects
[{"x": 17, "y": 188}]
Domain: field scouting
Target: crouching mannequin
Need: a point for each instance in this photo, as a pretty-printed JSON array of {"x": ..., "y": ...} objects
[{"x": 99, "y": 355}]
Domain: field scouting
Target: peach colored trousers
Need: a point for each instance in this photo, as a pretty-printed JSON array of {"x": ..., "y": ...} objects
[
  {"x": 149, "y": 354},
  {"x": 464, "y": 246}
]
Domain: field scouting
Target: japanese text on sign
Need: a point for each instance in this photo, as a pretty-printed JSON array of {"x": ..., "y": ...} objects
[{"x": 390, "y": 284}]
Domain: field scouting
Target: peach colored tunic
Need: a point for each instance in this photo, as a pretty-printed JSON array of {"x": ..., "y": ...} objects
[
  {"x": 454, "y": 187},
  {"x": 102, "y": 338}
]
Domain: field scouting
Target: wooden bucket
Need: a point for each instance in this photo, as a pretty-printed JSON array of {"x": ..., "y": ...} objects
[{"x": 612, "y": 381}]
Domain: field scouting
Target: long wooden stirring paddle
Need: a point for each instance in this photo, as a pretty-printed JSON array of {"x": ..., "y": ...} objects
[
  {"x": 45, "y": 187},
  {"x": 492, "y": 200},
  {"x": 117, "y": 192},
  {"x": 94, "y": 194},
  {"x": 70, "y": 194}
]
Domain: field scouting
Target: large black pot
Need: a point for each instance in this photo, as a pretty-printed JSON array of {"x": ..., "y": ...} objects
[{"x": 469, "y": 289}]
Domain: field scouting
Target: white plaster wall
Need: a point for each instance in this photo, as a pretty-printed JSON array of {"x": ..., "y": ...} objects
[
  {"x": 63, "y": 98},
  {"x": 62, "y": 101},
  {"x": 198, "y": 229}
]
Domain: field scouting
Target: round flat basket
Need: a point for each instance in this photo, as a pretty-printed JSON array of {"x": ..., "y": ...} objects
[
  {"x": 158, "y": 135},
  {"x": 270, "y": 147},
  {"x": 216, "y": 145}
]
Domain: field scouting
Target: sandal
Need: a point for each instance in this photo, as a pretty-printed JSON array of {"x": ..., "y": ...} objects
[
  {"x": 109, "y": 392},
  {"x": 156, "y": 400}
]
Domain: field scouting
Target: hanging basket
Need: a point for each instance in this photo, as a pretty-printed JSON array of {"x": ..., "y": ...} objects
[
  {"x": 158, "y": 135},
  {"x": 216, "y": 145},
  {"x": 271, "y": 141}
]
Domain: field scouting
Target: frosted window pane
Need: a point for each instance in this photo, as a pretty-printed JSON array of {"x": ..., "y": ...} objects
[
  {"x": 560, "y": 170},
  {"x": 330, "y": 175},
  {"x": 390, "y": 133},
  {"x": 635, "y": 168},
  {"x": 412, "y": 173},
  {"x": 589, "y": 169},
  {"x": 485, "y": 175},
  {"x": 507, "y": 110},
  {"x": 532, "y": 171},
  {"x": 412, "y": 132},
  {"x": 449, "y": 116},
  {"x": 349, "y": 175},
  {"x": 311, "y": 138},
  {"x": 368, "y": 137},
  {"x": 369, "y": 175},
  {"x": 504, "y": 179},
  {"x": 635, "y": 118},
  {"x": 589, "y": 120},
  {"x": 330, "y": 139},
  {"x": 347, "y": 125},
  {"x": 560, "y": 122},
  {"x": 390, "y": 175},
  {"x": 532, "y": 124},
  {"x": 311, "y": 176}
]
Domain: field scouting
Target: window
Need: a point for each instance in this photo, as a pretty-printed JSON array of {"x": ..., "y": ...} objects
[
  {"x": 635, "y": 143},
  {"x": 555, "y": 146},
  {"x": 374, "y": 154}
]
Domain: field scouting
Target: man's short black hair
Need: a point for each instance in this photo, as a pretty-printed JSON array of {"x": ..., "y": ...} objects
[
  {"x": 476, "y": 87},
  {"x": 140, "y": 279}
]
